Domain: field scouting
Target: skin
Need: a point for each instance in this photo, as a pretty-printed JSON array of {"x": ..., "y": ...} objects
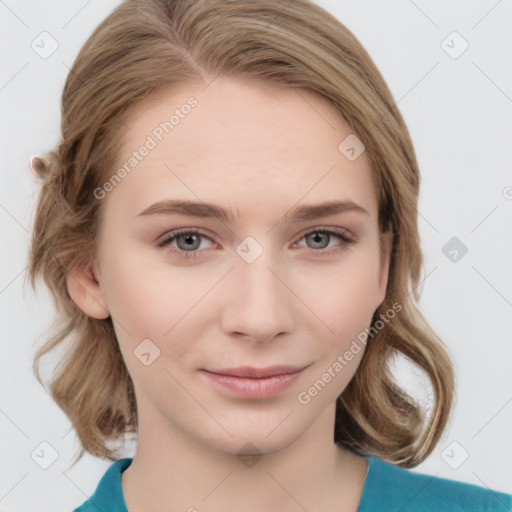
[{"x": 261, "y": 151}]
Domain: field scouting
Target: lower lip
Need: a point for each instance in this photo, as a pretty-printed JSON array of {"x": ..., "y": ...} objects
[{"x": 247, "y": 387}]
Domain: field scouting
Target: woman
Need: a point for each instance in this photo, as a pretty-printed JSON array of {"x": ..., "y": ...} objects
[{"x": 229, "y": 228}]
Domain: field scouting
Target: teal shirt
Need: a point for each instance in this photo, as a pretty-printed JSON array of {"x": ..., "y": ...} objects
[{"x": 387, "y": 488}]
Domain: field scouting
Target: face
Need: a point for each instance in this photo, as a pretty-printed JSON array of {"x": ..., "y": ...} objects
[{"x": 265, "y": 277}]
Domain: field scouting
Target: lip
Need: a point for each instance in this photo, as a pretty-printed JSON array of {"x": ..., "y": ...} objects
[
  {"x": 249, "y": 382},
  {"x": 250, "y": 371}
]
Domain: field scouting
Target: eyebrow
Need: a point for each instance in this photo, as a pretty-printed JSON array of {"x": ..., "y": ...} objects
[{"x": 225, "y": 215}]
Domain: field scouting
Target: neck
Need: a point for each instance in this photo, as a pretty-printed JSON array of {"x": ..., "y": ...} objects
[{"x": 173, "y": 471}]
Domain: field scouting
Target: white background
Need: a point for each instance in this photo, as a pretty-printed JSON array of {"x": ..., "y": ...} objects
[{"x": 459, "y": 112}]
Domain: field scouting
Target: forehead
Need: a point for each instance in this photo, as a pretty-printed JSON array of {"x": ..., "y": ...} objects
[{"x": 242, "y": 143}]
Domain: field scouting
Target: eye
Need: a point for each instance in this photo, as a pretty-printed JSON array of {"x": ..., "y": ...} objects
[
  {"x": 187, "y": 242},
  {"x": 320, "y": 239}
]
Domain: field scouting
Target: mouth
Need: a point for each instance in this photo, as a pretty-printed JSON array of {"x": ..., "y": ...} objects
[
  {"x": 249, "y": 382},
  {"x": 249, "y": 371}
]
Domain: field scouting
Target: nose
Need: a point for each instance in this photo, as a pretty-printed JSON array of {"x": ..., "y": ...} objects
[{"x": 258, "y": 300}]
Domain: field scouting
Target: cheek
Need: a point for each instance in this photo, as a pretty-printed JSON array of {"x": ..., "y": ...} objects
[
  {"x": 141, "y": 292},
  {"x": 345, "y": 301},
  {"x": 155, "y": 302}
]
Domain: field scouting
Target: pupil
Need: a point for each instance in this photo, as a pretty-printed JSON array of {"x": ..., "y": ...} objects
[
  {"x": 189, "y": 241},
  {"x": 317, "y": 237}
]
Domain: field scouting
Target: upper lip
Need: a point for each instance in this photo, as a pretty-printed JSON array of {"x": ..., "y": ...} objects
[{"x": 249, "y": 371}]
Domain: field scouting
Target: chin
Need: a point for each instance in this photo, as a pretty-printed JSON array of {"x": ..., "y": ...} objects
[{"x": 252, "y": 442}]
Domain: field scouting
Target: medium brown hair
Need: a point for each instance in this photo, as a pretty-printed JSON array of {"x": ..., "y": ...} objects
[{"x": 145, "y": 45}]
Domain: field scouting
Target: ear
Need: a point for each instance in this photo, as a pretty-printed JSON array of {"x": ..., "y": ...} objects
[{"x": 84, "y": 289}]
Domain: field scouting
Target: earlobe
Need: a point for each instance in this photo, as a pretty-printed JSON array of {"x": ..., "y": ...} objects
[{"x": 84, "y": 289}]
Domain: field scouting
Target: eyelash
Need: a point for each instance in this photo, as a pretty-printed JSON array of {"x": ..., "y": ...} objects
[{"x": 338, "y": 233}]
